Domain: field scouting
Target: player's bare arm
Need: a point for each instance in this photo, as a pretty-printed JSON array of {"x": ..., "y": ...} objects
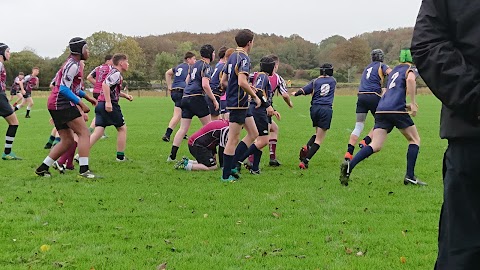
[
  {"x": 411, "y": 90},
  {"x": 108, "y": 100},
  {"x": 168, "y": 78},
  {"x": 208, "y": 91}
]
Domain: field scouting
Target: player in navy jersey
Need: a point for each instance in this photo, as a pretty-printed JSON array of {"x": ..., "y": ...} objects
[
  {"x": 193, "y": 100},
  {"x": 108, "y": 111},
  {"x": 96, "y": 78},
  {"x": 263, "y": 114},
  {"x": 17, "y": 89},
  {"x": 215, "y": 83},
  {"x": 235, "y": 80},
  {"x": 369, "y": 94},
  {"x": 29, "y": 83},
  {"x": 176, "y": 79},
  {"x": 202, "y": 145},
  {"x": 393, "y": 111},
  {"x": 6, "y": 110},
  {"x": 62, "y": 105},
  {"x": 223, "y": 98},
  {"x": 322, "y": 90}
]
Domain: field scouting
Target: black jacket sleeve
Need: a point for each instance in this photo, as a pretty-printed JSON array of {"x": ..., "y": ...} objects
[{"x": 447, "y": 72}]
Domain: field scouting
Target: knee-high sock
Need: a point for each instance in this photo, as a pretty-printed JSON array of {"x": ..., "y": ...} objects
[
  {"x": 227, "y": 166},
  {"x": 257, "y": 156},
  {"x": 273, "y": 148},
  {"x": 363, "y": 154},
  {"x": 412, "y": 155},
  {"x": 220, "y": 155},
  {"x": 9, "y": 138},
  {"x": 312, "y": 151},
  {"x": 240, "y": 153},
  {"x": 311, "y": 141}
]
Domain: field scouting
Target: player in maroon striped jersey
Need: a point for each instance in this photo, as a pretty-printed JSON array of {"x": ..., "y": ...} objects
[{"x": 29, "y": 83}]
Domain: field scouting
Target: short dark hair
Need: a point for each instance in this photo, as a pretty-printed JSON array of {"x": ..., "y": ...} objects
[
  {"x": 118, "y": 57},
  {"x": 222, "y": 51},
  {"x": 274, "y": 57},
  {"x": 243, "y": 37},
  {"x": 189, "y": 55},
  {"x": 108, "y": 57},
  {"x": 21, "y": 73}
]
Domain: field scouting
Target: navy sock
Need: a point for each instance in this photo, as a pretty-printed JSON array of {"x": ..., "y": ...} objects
[
  {"x": 220, "y": 155},
  {"x": 257, "y": 156},
  {"x": 367, "y": 139},
  {"x": 311, "y": 141},
  {"x": 173, "y": 153},
  {"x": 227, "y": 166},
  {"x": 312, "y": 151},
  {"x": 412, "y": 155},
  {"x": 168, "y": 133},
  {"x": 51, "y": 139},
  {"x": 351, "y": 148},
  {"x": 242, "y": 148},
  {"x": 251, "y": 150},
  {"x": 363, "y": 154}
]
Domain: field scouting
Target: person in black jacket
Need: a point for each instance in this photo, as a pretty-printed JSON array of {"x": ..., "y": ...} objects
[{"x": 446, "y": 50}]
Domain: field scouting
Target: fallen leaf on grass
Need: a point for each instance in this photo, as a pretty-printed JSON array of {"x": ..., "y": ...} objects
[
  {"x": 162, "y": 266},
  {"x": 277, "y": 215},
  {"x": 348, "y": 251},
  {"x": 205, "y": 215},
  {"x": 248, "y": 257},
  {"x": 44, "y": 248},
  {"x": 360, "y": 254},
  {"x": 403, "y": 260}
]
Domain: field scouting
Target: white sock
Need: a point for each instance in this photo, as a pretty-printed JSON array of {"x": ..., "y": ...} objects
[
  {"x": 29, "y": 108},
  {"x": 83, "y": 161},
  {"x": 48, "y": 161},
  {"x": 189, "y": 167}
]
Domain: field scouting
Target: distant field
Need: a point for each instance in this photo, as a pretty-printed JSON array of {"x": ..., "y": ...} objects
[{"x": 144, "y": 212}]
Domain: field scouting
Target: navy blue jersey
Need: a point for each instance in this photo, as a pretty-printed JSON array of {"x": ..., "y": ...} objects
[
  {"x": 238, "y": 63},
  {"x": 394, "y": 100},
  {"x": 180, "y": 75},
  {"x": 322, "y": 90},
  {"x": 216, "y": 78},
  {"x": 372, "y": 78},
  {"x": 262, "y": 83},
  {"x": 199, "y": 70}
]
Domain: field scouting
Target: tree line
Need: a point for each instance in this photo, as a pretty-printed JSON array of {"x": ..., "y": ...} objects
[{"x": 151, "y": 56}]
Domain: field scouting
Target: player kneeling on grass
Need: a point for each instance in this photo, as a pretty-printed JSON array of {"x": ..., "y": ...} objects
[
  {"x": 322, "y": 90},
  {"x": 263, "y": 114},
  {"x": 202, "y": 146},
  {"x": 108, "y": 111},
  {"x": 393, "y": 111}
]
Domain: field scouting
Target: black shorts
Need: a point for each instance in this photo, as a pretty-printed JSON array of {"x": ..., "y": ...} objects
[
  {"x": 13, "y": 92},
  {"x": 176, "y": 96},
  {"x": 203, "y": 155},
  {"x": 388, "y": 121},
  {"x": 5, "y": 107},
  {"x": 105, "y": 119},
  {"x": 194, "y": 106},
  {"x": 321, "y": 116},
  {"x": 213, "y": 112},
  {"x": 62, "y": 117},
  {"x": 367, "y": 103},
  {"x": 238, "y": 116},
  {"x": 223, "y": 107},
  {"x": 96, "y": 95},
  {"x": 27, "y": 95},
  {"x": 262, "y": 120}
]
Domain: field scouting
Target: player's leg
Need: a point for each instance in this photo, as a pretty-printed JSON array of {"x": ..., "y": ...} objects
[
  {"x": 357, "y": 131},
  {"x": 181, "y": 132},
  {"x": 274, "y": 129},
  {"x": 177, "y": 116},
  {"x": 121, "y": 143},
  {"x": 241, "y": 152},
  {"x": 255, "y": 150},
  {"x": 51, "y": 139},
  {"x": 413, "y": 138},
  {"x": 321, "y": 120},
  {"x": 67, "y": 140},
  {"x": 78, "y": 126},
  {"x": 11, "y": 132},
  {"x": 19, "y": 99},
  {"x": 205, "y": 160},
  {"x": 237, "y": 120},
  {"x": 29, "y": 106},
  {"x": 96, "y": 135}
]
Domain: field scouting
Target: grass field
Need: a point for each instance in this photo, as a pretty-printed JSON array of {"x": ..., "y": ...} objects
[{"x": 144, "y": 213}]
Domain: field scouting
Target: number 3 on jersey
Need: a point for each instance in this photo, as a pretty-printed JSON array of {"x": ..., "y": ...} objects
[
  {"x": 179, "y": 72},
  {"x": 394, "y": 77}
]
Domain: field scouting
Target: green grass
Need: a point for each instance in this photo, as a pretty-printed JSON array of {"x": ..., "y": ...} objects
[{"x": 144, "y": 213}]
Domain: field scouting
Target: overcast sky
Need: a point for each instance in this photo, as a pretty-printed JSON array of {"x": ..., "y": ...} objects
[{"x": 46, "y": 26}]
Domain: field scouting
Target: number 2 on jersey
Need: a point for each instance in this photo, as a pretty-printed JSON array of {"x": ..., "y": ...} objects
[{"x": 394, "y": 77}]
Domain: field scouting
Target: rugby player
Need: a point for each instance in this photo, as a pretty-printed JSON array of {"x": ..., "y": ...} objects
[{"x": 393, "y": 111}]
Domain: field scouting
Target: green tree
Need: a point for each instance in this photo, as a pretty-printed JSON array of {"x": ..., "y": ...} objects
[
  {"x": 136, "y": 57},
  {"x": 163, "y": 62},
  {"x": 352, "y": 55},
  {"x": 100, "y": 44}
]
